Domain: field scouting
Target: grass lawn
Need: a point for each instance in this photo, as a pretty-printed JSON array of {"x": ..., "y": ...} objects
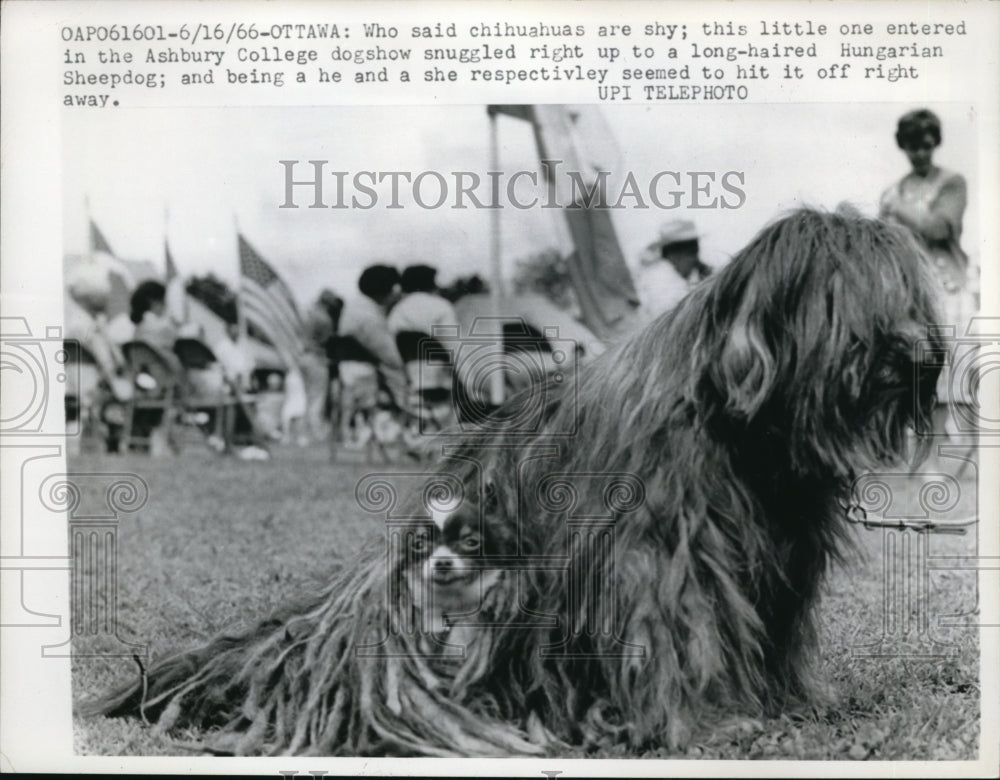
[{"x": 222, "y": 542}]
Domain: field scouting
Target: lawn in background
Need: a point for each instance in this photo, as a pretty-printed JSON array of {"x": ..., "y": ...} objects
[{"x": 222, "y": 542}]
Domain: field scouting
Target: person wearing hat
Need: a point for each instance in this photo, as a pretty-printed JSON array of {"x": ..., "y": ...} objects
[{"x": 670, "y": 267}]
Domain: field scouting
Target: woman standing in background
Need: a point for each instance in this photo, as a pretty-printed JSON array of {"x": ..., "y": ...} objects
[{"x": 930, "y": 201}]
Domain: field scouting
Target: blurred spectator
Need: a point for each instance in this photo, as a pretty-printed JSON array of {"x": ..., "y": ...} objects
[
  {"x": 334, "y": 306},
  {"x": 236, "y": 365},
  {"x": 89, "y": 291},
  {"x": 422, "y": 307},
  {"x": 233, "y": 353},
  {"x": 422, "y": 310},
  {"x": 203, "y": 381},
  {"x": 87, "y": 322},
  {"x": 670, "y": 267},
  {"x": 547, "y": 273},
  {"x": 293, "y": 408},
  {"x": 314, "y": 362},
  {"x": 148, "y": 310},
  {"x": 462, "y": 286},
  {"x": 364, "y": 319},
  {"x": 930, "y": 201},
  {"x": 270, "y": 401}
]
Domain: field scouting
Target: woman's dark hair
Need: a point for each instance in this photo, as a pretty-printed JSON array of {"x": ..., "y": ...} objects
[
  {"x": 378, "y": 281},
  {"x": 915, "y": 125},
  {"x": 419, "y": 278},
  {"x": 464, "y": 285},
  {"x": 145, "y": 295}
]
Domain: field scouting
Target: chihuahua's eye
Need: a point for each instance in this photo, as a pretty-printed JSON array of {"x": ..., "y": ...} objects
[{"x": 470, "y": 543}]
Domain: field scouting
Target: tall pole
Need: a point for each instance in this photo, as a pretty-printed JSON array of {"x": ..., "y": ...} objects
[{"x": 496, "y": 286}]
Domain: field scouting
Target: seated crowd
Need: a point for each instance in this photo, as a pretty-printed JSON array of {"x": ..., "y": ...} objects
[{"x": 348, "y": 384}]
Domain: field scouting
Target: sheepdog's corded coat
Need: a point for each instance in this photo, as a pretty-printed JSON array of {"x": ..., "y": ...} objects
[{"x": 652, "y": 549}]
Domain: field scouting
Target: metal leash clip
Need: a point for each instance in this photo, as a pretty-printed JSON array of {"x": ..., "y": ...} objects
[{"x": 857, "y": 515}]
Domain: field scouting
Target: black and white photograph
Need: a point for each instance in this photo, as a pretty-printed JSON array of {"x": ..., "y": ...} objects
[{"x": 621, "y": 436}]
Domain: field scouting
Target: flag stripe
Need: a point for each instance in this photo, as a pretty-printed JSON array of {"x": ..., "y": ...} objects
[
  {"x": 267, "y": 302},
  {"x": 253, "y": 267},
  {"x": 258, "y": 318},
  {"x": 283, "y": 318},
  {"x": 259, "y": 311},
  {"x": 282, "y": 345}
]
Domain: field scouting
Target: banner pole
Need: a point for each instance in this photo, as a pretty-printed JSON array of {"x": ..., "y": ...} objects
[{"x": 497, "y": 378}]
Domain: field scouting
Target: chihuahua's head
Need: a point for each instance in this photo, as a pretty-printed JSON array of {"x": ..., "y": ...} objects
[{"x": 456, "y": 560}]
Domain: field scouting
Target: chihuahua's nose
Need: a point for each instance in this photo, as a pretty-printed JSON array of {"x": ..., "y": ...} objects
[{"x": 444, "y": 564}]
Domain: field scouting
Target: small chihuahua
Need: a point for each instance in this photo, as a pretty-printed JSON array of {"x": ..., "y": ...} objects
[{"x": 456, "y": 565}]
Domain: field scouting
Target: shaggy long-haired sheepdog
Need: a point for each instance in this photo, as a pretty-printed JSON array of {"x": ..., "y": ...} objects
[{"x": 620, "y": 557}]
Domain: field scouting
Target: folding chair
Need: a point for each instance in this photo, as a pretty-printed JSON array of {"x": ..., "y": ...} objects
[
  {"x": 357, "y": 372},
  {"x": 532, "y": 352},
  {"x": 521, "y": 337},
  {"x": 83, "y": 388},
  {"x": 157, "y": 385},
  {"x": 207, "y": 390},
  {"x": 528, "y": 360},
  {"x": 430, "y": 375}
]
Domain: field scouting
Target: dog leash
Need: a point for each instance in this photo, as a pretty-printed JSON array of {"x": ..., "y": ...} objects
[{"x": 858, "y": 515}]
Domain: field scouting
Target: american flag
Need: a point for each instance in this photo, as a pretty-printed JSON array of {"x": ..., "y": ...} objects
[{"x": 267, "y": 303}]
